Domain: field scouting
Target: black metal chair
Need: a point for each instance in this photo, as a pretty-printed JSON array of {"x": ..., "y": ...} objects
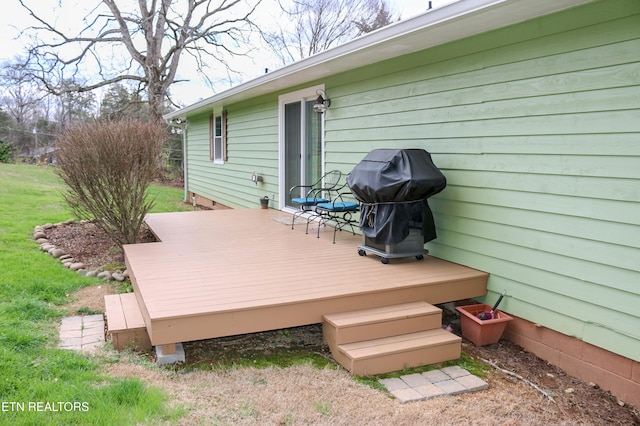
[
  {"x": 309, "y": 196},
  {"x": 341, "y": 210}
]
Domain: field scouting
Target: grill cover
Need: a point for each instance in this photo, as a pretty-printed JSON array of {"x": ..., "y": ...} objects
[{"x": 393, "y": 186}]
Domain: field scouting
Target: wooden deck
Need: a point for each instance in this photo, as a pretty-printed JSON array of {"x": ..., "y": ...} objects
[{"x": 228, "y": 272}]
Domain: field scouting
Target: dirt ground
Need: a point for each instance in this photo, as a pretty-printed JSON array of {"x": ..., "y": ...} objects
[{"x": 303, "y": 394}]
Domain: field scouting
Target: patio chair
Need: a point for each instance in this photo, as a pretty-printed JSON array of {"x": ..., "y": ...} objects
[
  {"x": 308, "y": 196},
  {"x": 340, "y": 210}
]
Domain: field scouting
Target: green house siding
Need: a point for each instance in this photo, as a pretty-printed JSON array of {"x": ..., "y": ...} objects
[
  {"x": 537, "y": 128},
  {"x": 252, "y": 146}
]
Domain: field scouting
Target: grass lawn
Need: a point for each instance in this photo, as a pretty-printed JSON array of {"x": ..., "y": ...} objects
[
  {"x": 40, "y": 384},
  {"x": 43, "y": 385}
]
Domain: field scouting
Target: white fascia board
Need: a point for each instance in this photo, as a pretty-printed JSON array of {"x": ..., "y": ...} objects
[{"x": 454, "y": 21}]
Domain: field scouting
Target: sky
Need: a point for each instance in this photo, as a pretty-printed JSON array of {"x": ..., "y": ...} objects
[{"x": 14, "y": 18}]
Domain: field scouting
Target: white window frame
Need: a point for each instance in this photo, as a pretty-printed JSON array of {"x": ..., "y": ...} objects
[{"x": 217, "y": 137}]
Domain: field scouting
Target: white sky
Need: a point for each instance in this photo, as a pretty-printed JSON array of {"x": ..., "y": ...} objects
[{"x": 14, "y": 18}]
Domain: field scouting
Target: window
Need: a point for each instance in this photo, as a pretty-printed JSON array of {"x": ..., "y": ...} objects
[{"x": 218, "y": 137}]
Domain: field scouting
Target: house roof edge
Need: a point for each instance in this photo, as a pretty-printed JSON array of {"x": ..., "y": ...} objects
[{"x": 445, "y": 24}]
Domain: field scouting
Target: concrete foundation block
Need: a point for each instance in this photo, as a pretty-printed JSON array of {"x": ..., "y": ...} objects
[{"x": 162, "y": 359}]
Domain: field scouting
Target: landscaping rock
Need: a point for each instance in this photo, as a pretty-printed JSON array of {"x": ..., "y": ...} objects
[
  {"x": 104, "y": 275},
  {"x": 62, "y": 250}
]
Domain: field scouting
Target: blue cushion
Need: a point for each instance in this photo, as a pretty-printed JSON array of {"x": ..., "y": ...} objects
[
  {"x": 341, "y": 206},
  {"x": 309, "y": 201}
]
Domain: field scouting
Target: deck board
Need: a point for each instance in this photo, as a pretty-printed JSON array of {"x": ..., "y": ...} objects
[{"x": 232, "y": 266}]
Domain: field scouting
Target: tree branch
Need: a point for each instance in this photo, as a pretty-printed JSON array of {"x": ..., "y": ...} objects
[
  {"x": 519, "y": 377},
  {"x": 154, "y": 37}
]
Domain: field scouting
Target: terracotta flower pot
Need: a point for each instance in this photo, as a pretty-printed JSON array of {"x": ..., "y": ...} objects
[{"x": 482, "y": 332}]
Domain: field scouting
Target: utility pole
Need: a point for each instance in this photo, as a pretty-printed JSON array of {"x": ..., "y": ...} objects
[{"x": 35, "y": 135}]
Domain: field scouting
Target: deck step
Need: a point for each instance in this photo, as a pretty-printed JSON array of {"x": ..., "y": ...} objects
[
  {"x": 125, "y": 324},
  {"x": 395, "y": 353},
  {"x": 389, "y": 338},
  {"x": 367, "y": 324}
]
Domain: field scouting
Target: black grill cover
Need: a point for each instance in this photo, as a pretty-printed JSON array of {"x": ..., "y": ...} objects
[{"x": 393, "y": 186}]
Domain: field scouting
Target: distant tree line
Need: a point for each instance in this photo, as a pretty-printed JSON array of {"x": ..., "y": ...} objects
[
  {"x": 134, "y": 50},
  {"x": 31, "y": 118}
]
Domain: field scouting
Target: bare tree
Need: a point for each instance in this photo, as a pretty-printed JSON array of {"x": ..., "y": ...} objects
[
  {"x": 20, "y": 97},
  {"x": 311, "y": 26},
  {"x": 382, "y": 18},
  {"x": 22, "y": 102},
  {"x": 139, "y": 42}
]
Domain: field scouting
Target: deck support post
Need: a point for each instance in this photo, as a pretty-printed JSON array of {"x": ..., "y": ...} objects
[
  {"x": 168, "y": 348},
  {"x": 163, "y": 357}
]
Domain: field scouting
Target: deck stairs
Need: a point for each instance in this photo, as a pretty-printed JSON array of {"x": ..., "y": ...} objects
[
  {"x": 389, "y": 338},
  {"x": 125, "y": 324}
]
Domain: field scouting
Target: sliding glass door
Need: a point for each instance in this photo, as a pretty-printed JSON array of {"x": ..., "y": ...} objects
[{"x": 301, "y": 143}]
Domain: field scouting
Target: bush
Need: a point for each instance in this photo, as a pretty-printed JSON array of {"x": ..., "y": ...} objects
[
  {"x": 6, "y": 153},
  {"x": 108, "y": 167}
]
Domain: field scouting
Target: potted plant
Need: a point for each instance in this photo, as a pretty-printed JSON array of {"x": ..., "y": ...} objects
[
  {"x": 264, "y": 202},
  {"x": 483, "y": 324}
]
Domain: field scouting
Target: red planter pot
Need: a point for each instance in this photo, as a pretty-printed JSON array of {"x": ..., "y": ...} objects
[{"x": 482, "y": 332}]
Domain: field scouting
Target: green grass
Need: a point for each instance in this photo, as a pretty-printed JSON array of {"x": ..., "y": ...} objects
[
  {"x": 167, "y": 199},
  {"x": 258, "y": 359},
  {"x": 36, "y": 378}
]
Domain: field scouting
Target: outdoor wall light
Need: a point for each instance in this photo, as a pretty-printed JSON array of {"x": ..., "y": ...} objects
[{"x": 322, "y": 102}]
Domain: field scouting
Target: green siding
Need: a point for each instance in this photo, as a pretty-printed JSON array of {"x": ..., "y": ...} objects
[
  {"x": 252, "y": 145},
  {"x": 537, "y": 128}
]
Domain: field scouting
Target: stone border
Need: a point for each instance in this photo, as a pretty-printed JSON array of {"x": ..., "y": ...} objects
[{"x": 40, "y": 236}]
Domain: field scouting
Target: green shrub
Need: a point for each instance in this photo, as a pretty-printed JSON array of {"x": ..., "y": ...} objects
[{"x": 6, "y": 153}]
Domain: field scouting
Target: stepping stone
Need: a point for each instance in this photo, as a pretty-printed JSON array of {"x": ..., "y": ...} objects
[
  {"x": 82, "y": 333},
  {"x": 452, "y": 380}
]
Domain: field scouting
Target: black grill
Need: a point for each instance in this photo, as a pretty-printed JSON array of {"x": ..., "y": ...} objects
[{"x": 393, "y": 186}]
